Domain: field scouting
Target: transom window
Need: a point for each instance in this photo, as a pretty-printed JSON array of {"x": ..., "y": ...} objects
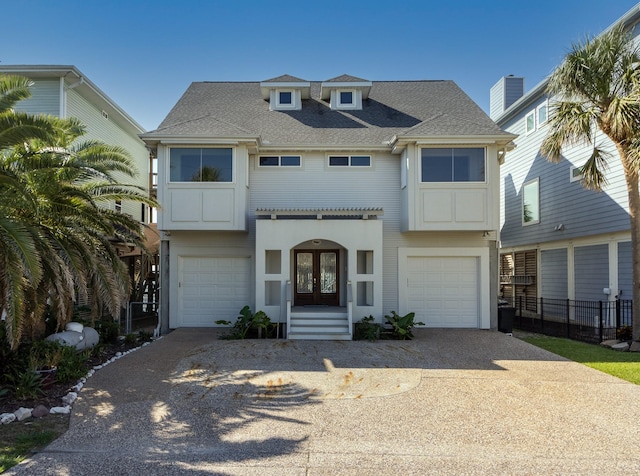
[
  {"x": 280, "y": 161},
  {"x": 453, "y": 164},
  {"x": 201, "y": 165},
  {"x": 531, "y": 202},
  {"x": 350, "y": 161}
]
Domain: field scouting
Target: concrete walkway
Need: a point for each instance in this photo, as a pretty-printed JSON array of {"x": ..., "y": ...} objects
[{"x": 448, "y": 402}]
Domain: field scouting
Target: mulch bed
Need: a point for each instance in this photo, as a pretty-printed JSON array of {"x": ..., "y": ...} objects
[{"x": 52, "y": 396}]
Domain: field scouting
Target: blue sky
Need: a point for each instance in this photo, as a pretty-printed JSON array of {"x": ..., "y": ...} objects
[{"x": 144, "y": 54}]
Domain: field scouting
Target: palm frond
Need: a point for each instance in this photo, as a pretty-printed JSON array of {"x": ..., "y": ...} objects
[{"x": 595, "y": 169}]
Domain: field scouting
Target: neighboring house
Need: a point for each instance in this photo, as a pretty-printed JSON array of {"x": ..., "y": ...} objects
[
  {"x": 321, "y": 203},
  {"x": 558, "y": 239},
  {"x": 64, "y": 91}
]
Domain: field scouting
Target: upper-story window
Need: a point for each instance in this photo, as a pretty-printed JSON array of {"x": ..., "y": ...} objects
[
  {"x": 279, "y": 161},
  {"x": 575, "y": 173},
  {"x": 214, "y": 164},
  {"x": 542, "y": 114},
  {"x": 453, "y": 164},
  {"x": 530, "y": 122},
  {"x": 531, "y": 202},
  {"x": 285, "y": 99},
  {"x": 346, "y": 98},
  {"x": 349, "y": 161}
]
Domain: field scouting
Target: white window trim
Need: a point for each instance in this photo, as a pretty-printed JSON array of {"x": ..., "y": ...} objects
[
  {"x": 485, "y": 181},
  {"x": 572, "y": 177},
  {"x": 344, "y": 105},
  {"x": 539, "y": 123},
  {"x": 349, "y": 156},
  {"x": 280, "y": 161},
  {"x": 282, "y": 106},
  {"x": 526, "y": 122},
  {"x": 208, "y": 184},
  {"x": 533, "y": 222}
]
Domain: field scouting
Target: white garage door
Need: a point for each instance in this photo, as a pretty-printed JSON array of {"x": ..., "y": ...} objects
[
  {"x": 212, "y": 289},
  {"x": 443, "y": 291}
]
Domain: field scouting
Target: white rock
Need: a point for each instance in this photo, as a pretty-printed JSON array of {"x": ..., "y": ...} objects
[
  {"x": 118, "y": 354},
  {"x": 7, "y": 418},
  {"x": 69, "y": 398},
  {"x": 97, "y": 367},
  {"x": 74, "y": 327},
  {"x": 621, "y": 347},
  {"x": 77, "y": 387},
  {"x": 60, "y": 410},
  {"x": 23, "y": 413}
]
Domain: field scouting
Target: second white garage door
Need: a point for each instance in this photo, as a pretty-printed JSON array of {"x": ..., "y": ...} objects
[
  {"x": 443, "y": 291},
  {"x": 212, "y": 289}
]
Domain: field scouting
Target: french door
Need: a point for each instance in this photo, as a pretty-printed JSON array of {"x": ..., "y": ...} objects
[{"x": 316, "y": 278}]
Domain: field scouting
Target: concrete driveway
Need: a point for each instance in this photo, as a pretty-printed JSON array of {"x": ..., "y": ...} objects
[{"x": 448, "y": 402}]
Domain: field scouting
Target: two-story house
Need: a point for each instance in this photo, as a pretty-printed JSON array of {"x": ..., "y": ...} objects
[
  {"x": 558, "y": 239},
  {"x": 64, "y": 91},
  {"x": 322, "y": 202}
]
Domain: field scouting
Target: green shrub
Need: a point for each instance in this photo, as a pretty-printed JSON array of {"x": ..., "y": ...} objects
[
  {"x": 401, "y": 326},
  {"x": 246, "y": 321},
  {"x": 366, "y": 329},
  {"x": 27, "y": 384},
  {"x": 72, "y": 366}
]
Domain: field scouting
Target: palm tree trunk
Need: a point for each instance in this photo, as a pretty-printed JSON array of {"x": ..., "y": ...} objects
[{"x": 634, "y": 217}]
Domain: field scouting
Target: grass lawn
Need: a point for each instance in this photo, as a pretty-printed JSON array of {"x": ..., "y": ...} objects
[
  {"x": 19, "y": 440},
  {"x": 624, "y": 365}
]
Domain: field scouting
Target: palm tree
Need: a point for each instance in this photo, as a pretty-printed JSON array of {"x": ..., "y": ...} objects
[
  {"x": 56, "y": 239},
  {"x": 598, "y": 88}
]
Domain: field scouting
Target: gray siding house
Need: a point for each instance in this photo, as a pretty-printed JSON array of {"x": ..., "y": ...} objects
[
  {"x": 558, "y": 240},
  {"x": 322, "y": 202},
  {"x": 64, "y": 91}
]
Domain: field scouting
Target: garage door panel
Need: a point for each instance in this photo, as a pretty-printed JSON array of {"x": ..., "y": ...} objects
[
  {"x": 213, "y": 289},
  {"x": 443, "y": 291}
]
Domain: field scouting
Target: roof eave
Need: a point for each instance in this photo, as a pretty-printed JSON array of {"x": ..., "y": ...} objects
[{"x": 628, "y": 19}]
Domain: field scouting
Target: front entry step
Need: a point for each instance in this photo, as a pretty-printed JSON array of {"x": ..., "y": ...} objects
[{"x": 319, "y": 326}]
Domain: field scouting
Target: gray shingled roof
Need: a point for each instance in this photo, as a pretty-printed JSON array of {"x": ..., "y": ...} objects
[
  {"x": 285, "y": 78},
  {"x": 394, "y": 108},
  {"x": 346, "y": 78}
]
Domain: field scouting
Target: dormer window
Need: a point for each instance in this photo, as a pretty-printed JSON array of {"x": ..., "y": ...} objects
[
  {"x": 345, "y": 98},
  {"x": 285, "y": 93},
  {"x": 285, "y": 98},
  {"x": 345, "y": 92}
]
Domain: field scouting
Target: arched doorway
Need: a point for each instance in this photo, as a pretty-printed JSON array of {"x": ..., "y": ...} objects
[{"x": 317, "y": 273}]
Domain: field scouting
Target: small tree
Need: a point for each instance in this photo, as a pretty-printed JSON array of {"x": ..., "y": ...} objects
[{"x": 597, "y": 87}]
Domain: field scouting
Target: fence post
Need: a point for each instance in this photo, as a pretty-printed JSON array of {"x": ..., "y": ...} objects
[
  {"x": 617, "y": 316},
  {"x": 568, "y": 319},
  {"x": 541, "y": 316},
  {"x": 600, "y": 323}
]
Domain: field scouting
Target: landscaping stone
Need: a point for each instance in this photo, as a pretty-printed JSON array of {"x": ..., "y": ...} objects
[
  {"x": 7, "y": 418},
  {"x": 69, "y": 398},
  {"x": 635, "y": 347},
  {"x": 621, "y": 347},
  {"x": 23, "y": 413},
  {"x": 609, "y": 343},
  {"x": 60, "y": 410},
  {"x": 40, "y": 411}
]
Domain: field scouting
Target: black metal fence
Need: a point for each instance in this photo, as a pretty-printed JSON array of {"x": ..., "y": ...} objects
[{"x": 589, "y": 321}]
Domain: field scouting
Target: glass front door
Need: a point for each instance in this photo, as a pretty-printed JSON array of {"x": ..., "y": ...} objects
[{"x": 316, "y": 278}]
